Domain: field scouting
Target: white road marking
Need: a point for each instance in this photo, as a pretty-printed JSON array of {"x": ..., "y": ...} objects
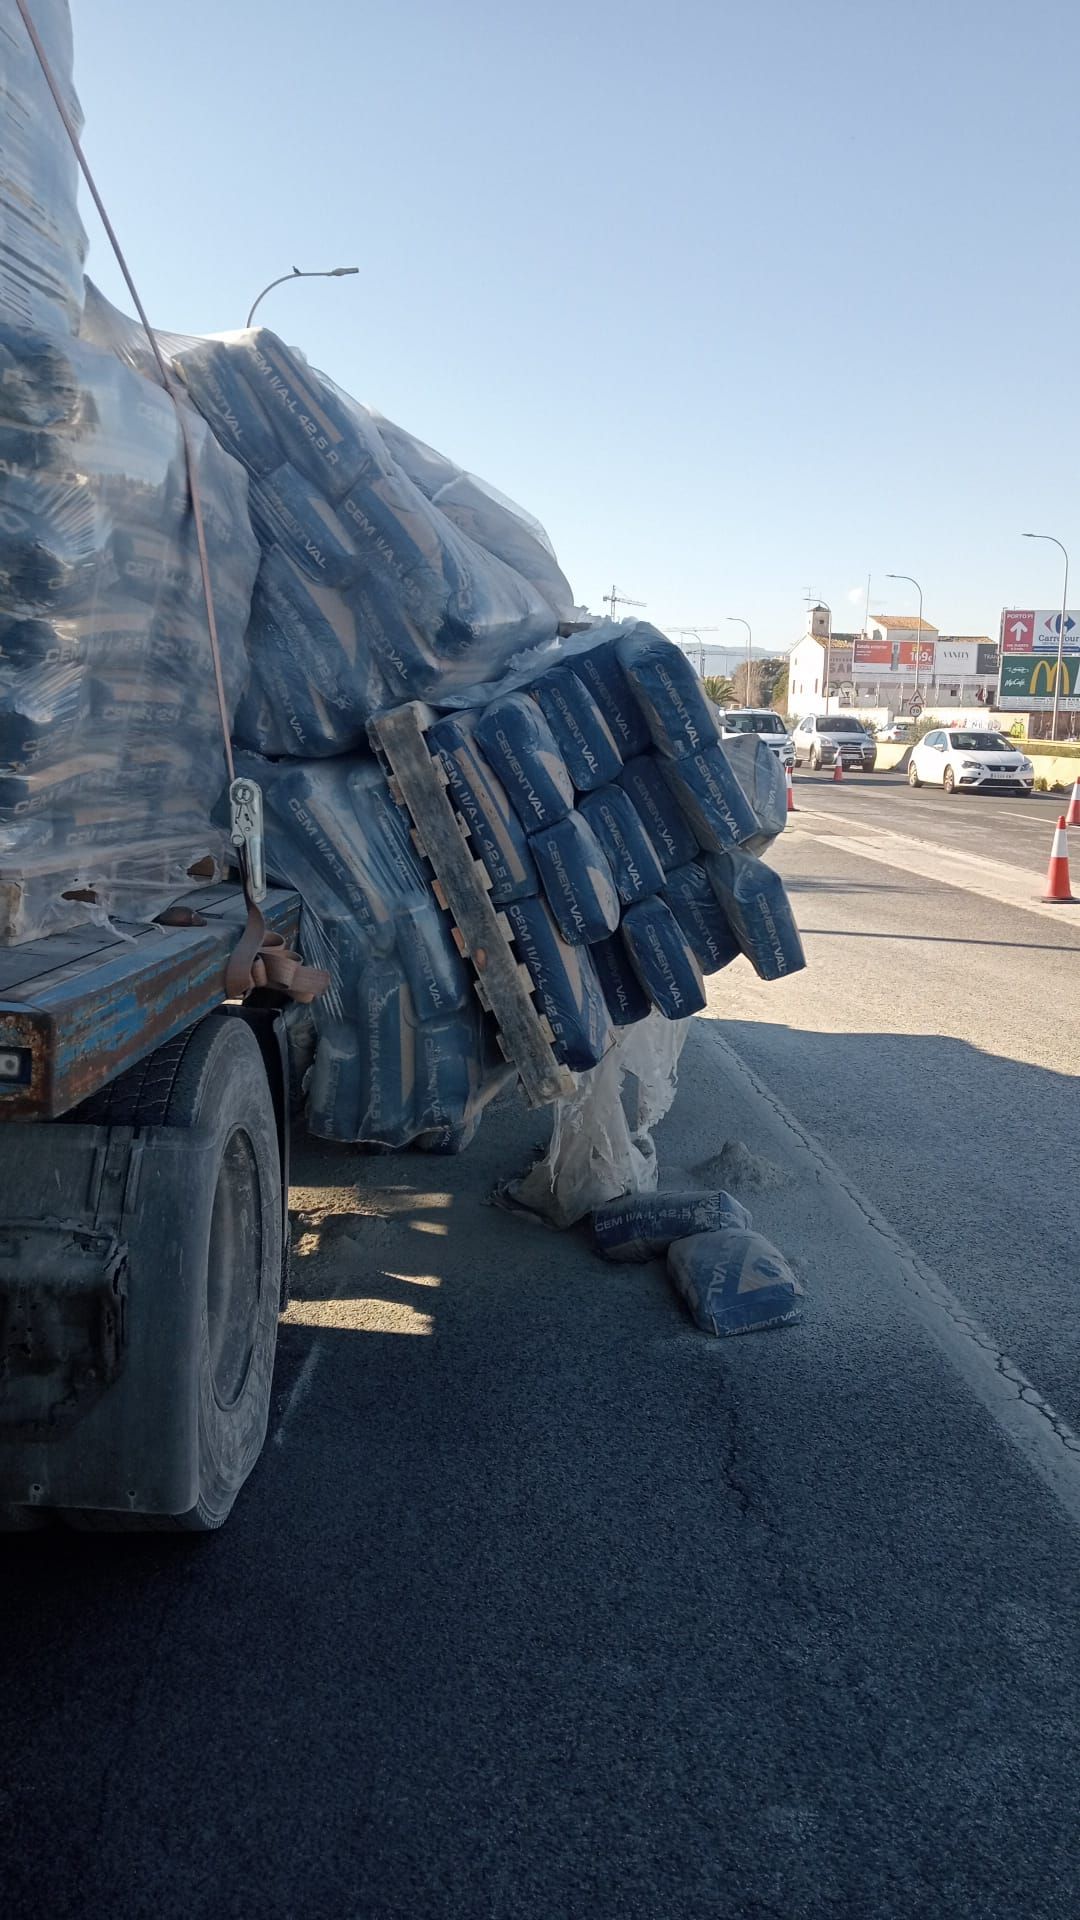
[
  {"x": 1005, "y": 885},
  {"x": 1044, "y": 1440}
]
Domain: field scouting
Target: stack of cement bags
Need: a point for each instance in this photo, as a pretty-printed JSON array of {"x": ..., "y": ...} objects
[
  {"x": 111, "y": 743},
  {"x": 621, "y": 837}
]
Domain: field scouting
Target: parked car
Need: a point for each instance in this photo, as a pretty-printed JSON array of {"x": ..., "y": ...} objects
[
  {"x": 763, "y": 721},
  {"x": 824, "y": 738},
  {"x": 958, "y": 758}
]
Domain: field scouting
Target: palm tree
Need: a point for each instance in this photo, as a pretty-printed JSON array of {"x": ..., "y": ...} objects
[{"x": 719, "y": 689}]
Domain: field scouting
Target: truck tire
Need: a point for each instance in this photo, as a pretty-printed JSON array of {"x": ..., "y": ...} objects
[{"x": 213, "y": 1077}]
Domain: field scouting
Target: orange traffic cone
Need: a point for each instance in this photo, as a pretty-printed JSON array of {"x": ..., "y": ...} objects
[
  {"x": 1059, "y": 892},
  {"x": 1072, "y": 818},
  {"x": 838, "y": 769},
  {"x": 790, "y": 784}
]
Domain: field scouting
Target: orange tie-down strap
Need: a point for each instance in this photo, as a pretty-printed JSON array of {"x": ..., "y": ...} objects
[{"x": 261, "y": 959}]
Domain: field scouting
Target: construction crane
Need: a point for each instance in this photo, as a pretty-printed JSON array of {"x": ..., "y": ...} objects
[
  {"x": 616, "y": 599},
  {"x": 694, "y": 633}
]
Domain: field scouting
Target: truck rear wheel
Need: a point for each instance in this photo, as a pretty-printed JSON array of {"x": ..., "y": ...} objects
[{"x": 213, "y": 1078}]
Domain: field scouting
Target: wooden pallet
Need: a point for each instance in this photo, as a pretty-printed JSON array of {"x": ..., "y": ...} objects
[{"x": 462, "y": 886}]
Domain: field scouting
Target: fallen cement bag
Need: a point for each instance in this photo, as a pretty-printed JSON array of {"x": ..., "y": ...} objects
[
  {"x": 601, "y": 675},
  {"x": 627, "y": 1000},
  {"x": 577, "y": 880},
  {"x": 634, "y": 862},
  {"x": 659, "y": 812},
  {"x": 579, "y": 729},
  {"x": 642, "y": 1225},
  {"x": 488, "y": 517},
  {"x": 758, "y": 911},
  {"x": 734, "y": 1282},
  {"x": 690, "y": 896},
  {"x": 498, "y": 837},
  {"x": 566, "y": 984},
  {"x": 680, "y": 716},
  {"x": 520, "y": 749},
  {"x": 663, "y": 959}
]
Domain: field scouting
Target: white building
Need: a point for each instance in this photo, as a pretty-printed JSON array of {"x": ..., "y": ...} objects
[{"x": 875, "y": 670}]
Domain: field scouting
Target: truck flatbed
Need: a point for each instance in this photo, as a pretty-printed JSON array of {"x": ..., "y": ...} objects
[{"x": 78, "y": 1008}]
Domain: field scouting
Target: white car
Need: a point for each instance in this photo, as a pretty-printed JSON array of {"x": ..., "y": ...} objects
[
  {"x": 762, "y": 721},
  {"x": 959, "y": 758}
]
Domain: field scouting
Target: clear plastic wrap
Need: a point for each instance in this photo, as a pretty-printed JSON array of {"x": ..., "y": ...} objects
[
  {"x": 402, "y": 1048},
  {"x": 111, "y": 749},
  {"x": 42, "y": 242}
]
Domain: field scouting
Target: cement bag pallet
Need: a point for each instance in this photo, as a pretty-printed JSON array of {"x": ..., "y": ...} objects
[{"x": 42, "y": 242}]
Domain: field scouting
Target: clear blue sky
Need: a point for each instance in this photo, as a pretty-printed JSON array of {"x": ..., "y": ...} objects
[{"x": 740, "y": 297}]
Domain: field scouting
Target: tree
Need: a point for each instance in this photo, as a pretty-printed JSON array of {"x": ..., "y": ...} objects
[
  {"x": 756, "y": 682},
  {"x": 719, "y": 689}
]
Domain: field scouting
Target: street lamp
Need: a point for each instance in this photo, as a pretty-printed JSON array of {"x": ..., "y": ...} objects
[
  {"x": 299, "y": 273},
  {"x": 1061, "y": 629},
  {"x": 736, "y": 621},
  {"x": 918, "y": 638}
]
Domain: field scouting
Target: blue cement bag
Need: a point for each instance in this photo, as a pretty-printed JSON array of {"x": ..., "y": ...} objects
[
  {"x": 42, "y": 243},
  {"x": 518, "y": 745},
  {"x": 333, "y": 1090},
  {"x": 659, "y": 812},
  {"x": 757, "y": 907},
  {"x": 580, "y": 731},
  {"x": 627, "y": 1000},
  {"x": 449, "y": 1071},
  {"x": 566, "y": 985},
  {"x": 437, "y": 975},
  {"x": 701, "y": 917},
  {"x": 314, "y": 682},
  {"x": 289, "y": 512},
  {"x": 497, "y": 835},
  {"x": 734, "y": 1282},
  {"x": 602, "y": 677},
  {"x": 577, "y": 880},
  {"x": 761, "y": 778},
  {"x": 315, "y": 427},
  {"x": 708, "y": 792},
  {"x": 634, "y": 861},
  {"x": 663, "y": 959},
  {"x": 681, "y": 717},
  {"x": 386, "y": 1056},
  {"x": 642, "y": 1225},
  {"x": 211, "y": 373}
]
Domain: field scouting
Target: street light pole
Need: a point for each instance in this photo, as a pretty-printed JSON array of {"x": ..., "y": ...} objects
[
  {"x": 1059, "y": 669},
  {"x": 736, "y": 621},
  {"x": 912, "y": 582},
  {"x": 298, "y": 273}
]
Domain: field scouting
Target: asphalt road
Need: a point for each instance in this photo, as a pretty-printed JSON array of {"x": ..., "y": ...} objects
[
  {"x": 1004, "y": 827},
  {"x": 541, "y": 1603}
]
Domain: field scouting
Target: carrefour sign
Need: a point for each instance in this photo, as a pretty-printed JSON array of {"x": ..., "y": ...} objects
[
  {"x": 1024, "y": 630},
  {"x": 1028, "y": 682}
]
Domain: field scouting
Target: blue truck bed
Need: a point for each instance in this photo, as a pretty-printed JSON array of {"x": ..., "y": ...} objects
[{"x": 78, "y": 1008}]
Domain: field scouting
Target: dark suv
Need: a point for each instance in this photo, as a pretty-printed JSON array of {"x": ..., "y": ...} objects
[{"x": 824, "y": 738}]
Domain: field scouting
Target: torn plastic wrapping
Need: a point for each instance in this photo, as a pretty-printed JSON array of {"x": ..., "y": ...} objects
[
  {"x": 402, "y": 1049},
  {"x": 596, "y": 1153},
  {"x": 111, "y": 745}
]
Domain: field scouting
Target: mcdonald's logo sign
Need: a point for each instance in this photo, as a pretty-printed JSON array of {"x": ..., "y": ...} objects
[
  {"x": 1056, "y": 675},
  {"x": 1035, "y": 679}
]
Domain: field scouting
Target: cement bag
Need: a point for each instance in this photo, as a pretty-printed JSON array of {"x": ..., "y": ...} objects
[
  {"x": 494, "y": 522},
  {"x": 690, "y": 896},
  {"x": 519, "y": 747},
  {"x": 627, "y": 1000},
  {"x": 734, "y": 1282},
  {"x": 601, "y": 1134},
  {"x": 577, "y": 880},
  {"x": 385, "y": 1078},
  {"x": 580, "y": 731},
  {"x": 659, "y": 812},
  {"x": 663, "y": 959},
  {"x": 761, "y": 778},
  {"x": 680, "y": 716},
  {"x": 757, "y": 907},
  {"x": 642, "y": 1225},
  {"x": 709, "y": 794},
  {"x": 634, "y": 861},
  {"x": 601, "y": 675},
  {"x": 42, "y": 242},
  {"x": 566, "y": 984},
  {"x": 497, "y": 835},
  {"x": 314, "y": 680}
]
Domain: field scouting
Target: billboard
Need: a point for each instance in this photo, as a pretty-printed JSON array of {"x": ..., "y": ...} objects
[
  {"x": 905, "y": 656},
  {"x": 957, "y": 657},
  {"x": 1027, "y": 682},
  {"x": 840, "y": 662},
  {"x": 1027, "y": 630},
  {"x": 874, "y": 653},
  {"x": 989, "y": 657}
]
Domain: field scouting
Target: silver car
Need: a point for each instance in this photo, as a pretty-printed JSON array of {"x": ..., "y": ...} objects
[{"x": 825, "y": 738}]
